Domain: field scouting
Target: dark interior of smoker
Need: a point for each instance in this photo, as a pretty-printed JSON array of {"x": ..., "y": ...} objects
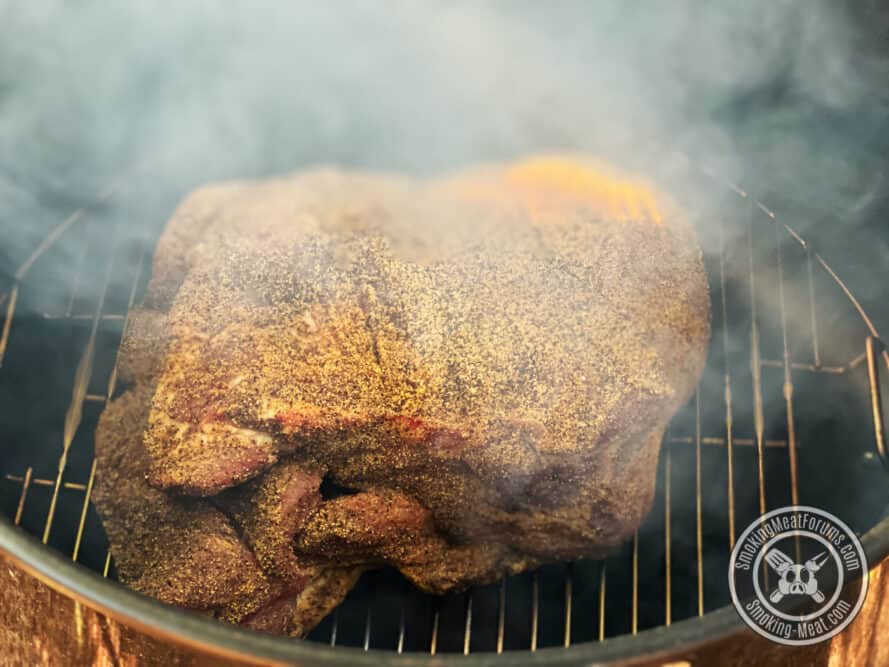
[{"x": 838, "y": 469}]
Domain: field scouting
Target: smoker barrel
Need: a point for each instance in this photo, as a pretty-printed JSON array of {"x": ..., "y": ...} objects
[{"x": 789, "y": 411}]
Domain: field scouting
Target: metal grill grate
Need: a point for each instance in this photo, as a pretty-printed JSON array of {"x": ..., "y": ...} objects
[{"x": 726, "y": 458}]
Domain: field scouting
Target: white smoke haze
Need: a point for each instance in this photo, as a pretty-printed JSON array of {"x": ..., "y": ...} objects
[{"x": 190, "y": 92}]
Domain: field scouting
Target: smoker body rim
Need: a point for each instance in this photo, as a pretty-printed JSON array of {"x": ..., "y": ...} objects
[{"x": 168, "y": 623}]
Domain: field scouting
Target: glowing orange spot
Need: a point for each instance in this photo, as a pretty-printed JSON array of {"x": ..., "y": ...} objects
[{"x": 547, "y": 184}]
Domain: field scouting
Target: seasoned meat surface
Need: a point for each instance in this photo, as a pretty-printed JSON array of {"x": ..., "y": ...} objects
[
  {"x": 185, "y": 551},
  {"x": 487, "y": 361}
]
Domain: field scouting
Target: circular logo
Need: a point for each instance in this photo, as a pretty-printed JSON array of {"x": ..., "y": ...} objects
[{"x": 798, "y": 575}]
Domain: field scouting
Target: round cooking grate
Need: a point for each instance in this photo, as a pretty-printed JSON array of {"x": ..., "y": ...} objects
[{"x": 788, "y": 411}]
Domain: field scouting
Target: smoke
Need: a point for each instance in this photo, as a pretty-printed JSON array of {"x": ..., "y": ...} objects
[{"x": 787, "y": 96}]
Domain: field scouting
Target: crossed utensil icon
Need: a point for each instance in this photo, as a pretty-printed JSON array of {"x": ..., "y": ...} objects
[{"x": 796, "y": 579}]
